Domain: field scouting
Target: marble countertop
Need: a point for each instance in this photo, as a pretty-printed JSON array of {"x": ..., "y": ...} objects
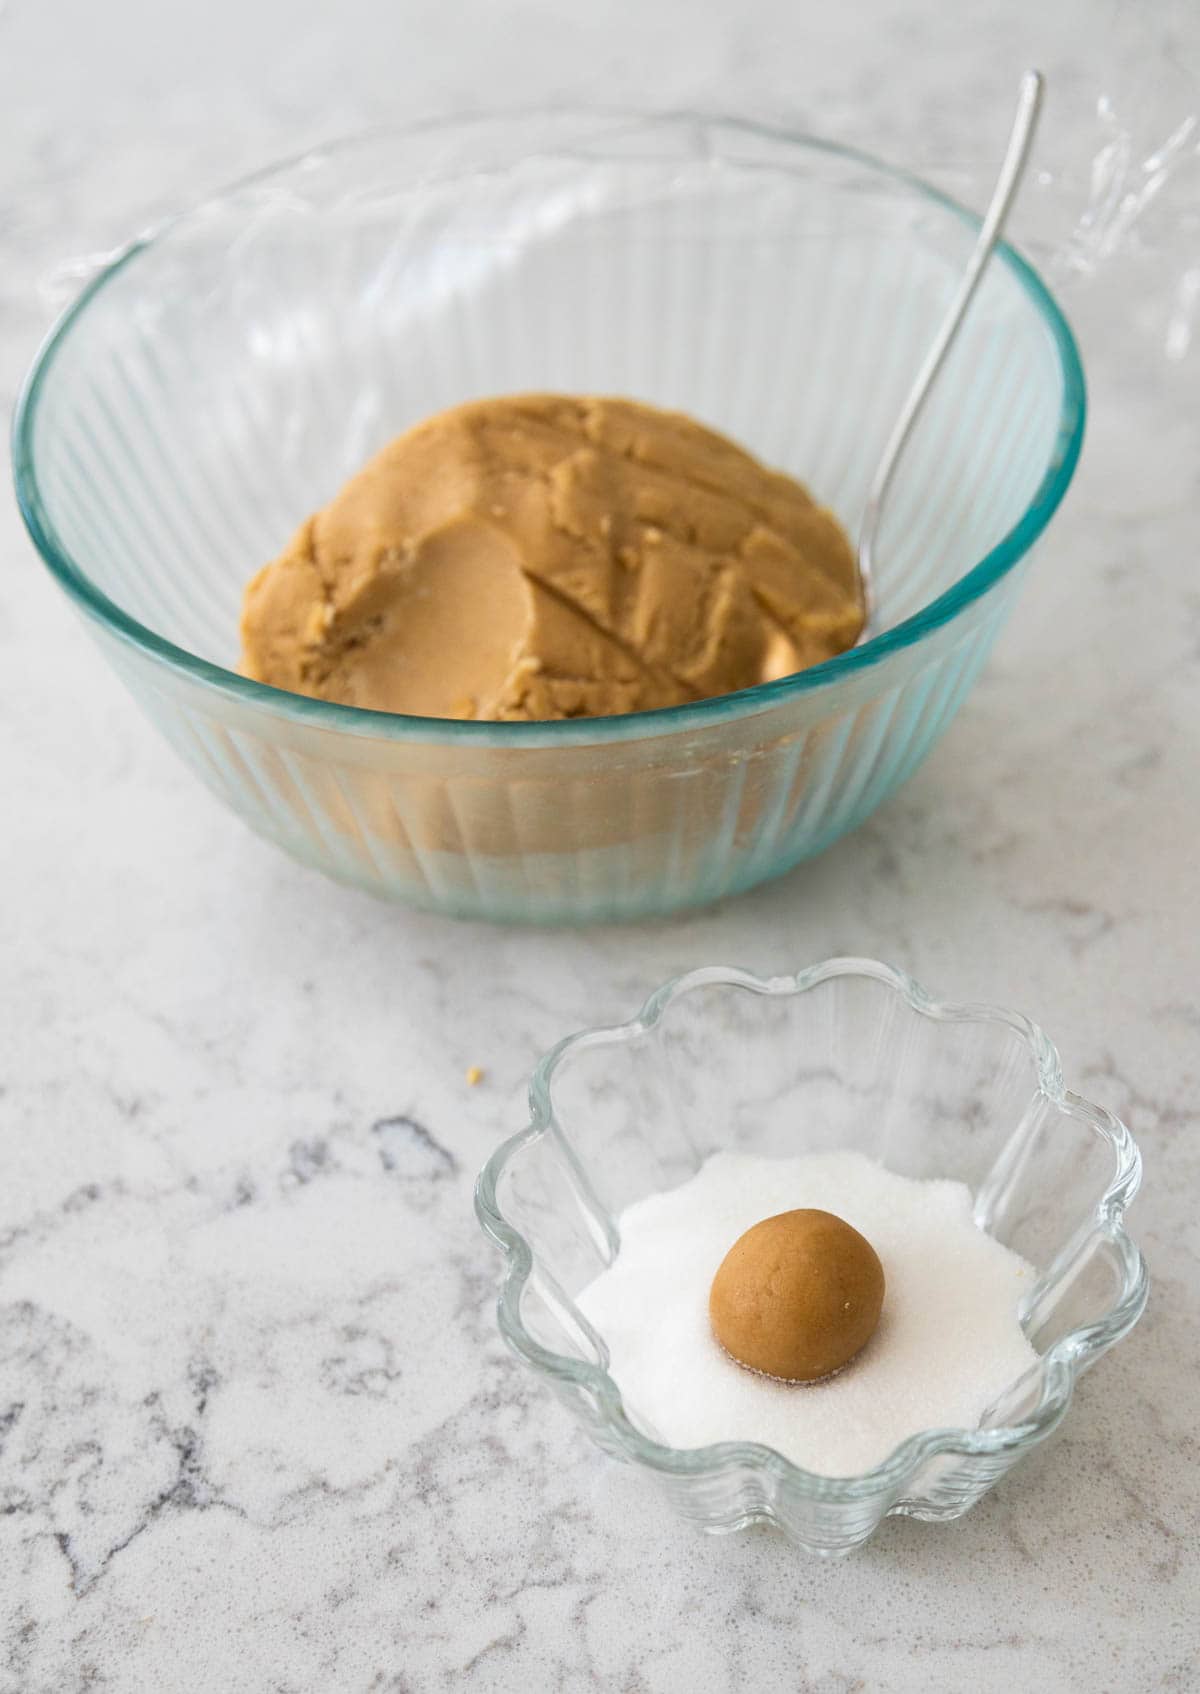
[{"x": 257, "y": 1431}]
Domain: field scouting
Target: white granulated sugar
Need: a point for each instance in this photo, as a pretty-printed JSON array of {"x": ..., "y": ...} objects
[{"x": 948, "y": 1341}]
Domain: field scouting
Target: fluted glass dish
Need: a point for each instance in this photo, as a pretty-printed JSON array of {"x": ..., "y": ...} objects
[
  {"x": 849, "y": 1054},
  {"x": 221, "y": 379}
]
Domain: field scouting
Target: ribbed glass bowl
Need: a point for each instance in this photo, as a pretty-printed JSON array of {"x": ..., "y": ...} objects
[
  {"x": 848, "y": 1054},
  {"x": 223, "y": 377}
]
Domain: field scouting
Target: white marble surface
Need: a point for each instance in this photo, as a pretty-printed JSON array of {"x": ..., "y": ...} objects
[{"x": 256, "y": 1430}]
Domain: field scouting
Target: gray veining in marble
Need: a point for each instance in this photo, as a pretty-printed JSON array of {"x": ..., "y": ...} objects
[{"x": 257, "y": 1431}]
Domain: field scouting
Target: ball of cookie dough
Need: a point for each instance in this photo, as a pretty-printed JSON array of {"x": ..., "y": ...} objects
[{"x": 797, "y": 1296}]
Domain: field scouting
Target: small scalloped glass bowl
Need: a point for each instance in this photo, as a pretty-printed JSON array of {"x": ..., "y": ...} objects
[
  {"x": 222, "y": 378},
  {"x": 848, "y": 1054}
]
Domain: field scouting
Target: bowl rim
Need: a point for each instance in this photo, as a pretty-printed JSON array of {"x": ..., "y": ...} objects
[
  {"x": 1060, "y": 1366},
  {"x": 962, "y": 593}
]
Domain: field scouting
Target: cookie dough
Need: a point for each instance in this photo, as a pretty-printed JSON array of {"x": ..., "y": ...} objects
[
  {"x": 545, "y": 556},
  {"x": 797, "y": 1296}
]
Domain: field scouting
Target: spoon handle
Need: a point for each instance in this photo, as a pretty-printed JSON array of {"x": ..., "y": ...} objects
[{"x": 1020, "y": 141}]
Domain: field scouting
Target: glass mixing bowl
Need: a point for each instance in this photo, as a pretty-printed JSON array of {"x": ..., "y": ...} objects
[
  {"x": 848, "y": 1054},
  {"x": 223, "y": 377}
]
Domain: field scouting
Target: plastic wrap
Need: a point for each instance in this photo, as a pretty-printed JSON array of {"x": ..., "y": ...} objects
[
  {"x": 1138, "y": 207},
  {"x": 1114, "y": 192}
]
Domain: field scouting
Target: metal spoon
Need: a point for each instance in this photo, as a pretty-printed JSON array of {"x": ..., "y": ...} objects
[{"x": 1029, "y": 103}]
